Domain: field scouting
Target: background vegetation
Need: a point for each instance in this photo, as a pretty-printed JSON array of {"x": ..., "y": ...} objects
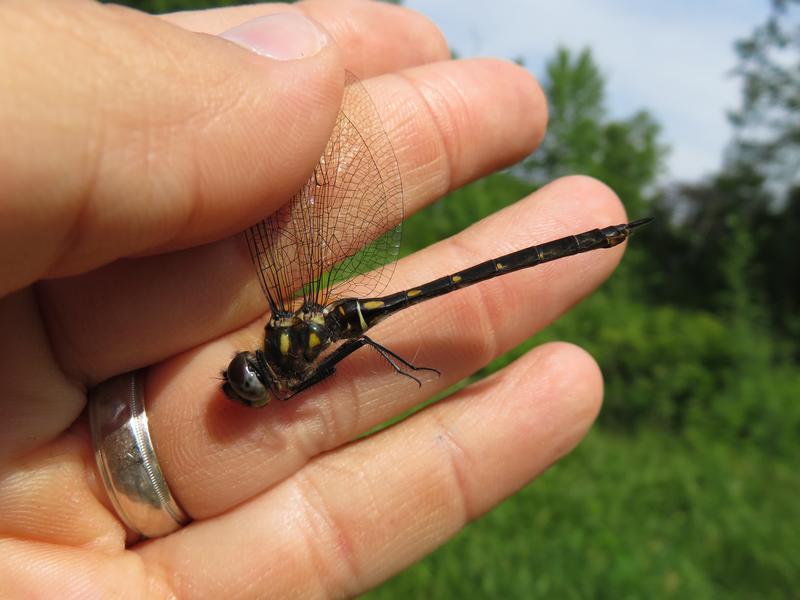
[{"x": 689, "y": 486}]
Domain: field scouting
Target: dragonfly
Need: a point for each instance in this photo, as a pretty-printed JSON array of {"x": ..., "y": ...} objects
[{"x": 324, "y": 259}]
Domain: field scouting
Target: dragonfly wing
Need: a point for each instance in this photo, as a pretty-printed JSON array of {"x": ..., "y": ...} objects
[{"x": 340, "y": 234}]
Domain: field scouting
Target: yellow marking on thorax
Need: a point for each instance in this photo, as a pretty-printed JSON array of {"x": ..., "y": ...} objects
[
  {"x": 284, "y": 343},
  {"x": 361, "y": 320},
  {"x": 313, "y": 340}
]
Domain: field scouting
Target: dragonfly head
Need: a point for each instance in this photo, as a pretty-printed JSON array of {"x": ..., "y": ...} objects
[{"x": 245, "y": 381}]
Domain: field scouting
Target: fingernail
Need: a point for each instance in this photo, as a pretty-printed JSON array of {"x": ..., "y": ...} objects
[{"x": 283, "y": 36}]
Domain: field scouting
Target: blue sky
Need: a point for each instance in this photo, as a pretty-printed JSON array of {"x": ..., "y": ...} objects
[{"x": 672, "y": 58}]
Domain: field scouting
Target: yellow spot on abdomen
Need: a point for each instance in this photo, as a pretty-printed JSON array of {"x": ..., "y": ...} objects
[
  {"x": 499, "y": 266},
  {"x": 373, "y": 304},
  {"x": 413, "y": 293},
  {"x": 456, "y": 278}
]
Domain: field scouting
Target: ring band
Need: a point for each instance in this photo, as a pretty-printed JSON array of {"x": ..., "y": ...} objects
[{"x": 127, "y": 460}]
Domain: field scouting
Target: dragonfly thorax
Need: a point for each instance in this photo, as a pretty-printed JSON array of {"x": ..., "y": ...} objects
[{"x": 293, "y": 341}]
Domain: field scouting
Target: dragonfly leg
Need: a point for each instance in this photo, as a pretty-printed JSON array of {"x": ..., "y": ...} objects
[
  {"x": 328, "y": 366},
  {"x": 390, "y": 357}
]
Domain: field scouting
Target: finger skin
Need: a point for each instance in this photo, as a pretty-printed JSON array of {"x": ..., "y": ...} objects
[
  {"x": 57, "y": 538},
  {"x": 145, "y": 145},
  {"x": 41, "y": 570},
  {"x": 37, "y": 401},
  {"x": 355, "y": 516},
  {"x": 446, "y": 128},
  {"x": 216, "y": 454},
  {"x": 373, "y": 37}
]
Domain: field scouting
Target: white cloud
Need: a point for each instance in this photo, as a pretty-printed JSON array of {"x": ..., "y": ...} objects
[{"x": 673, "y": 59}]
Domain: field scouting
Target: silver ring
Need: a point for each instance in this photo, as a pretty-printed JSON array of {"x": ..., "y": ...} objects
[{"x": 127, "y": 460}]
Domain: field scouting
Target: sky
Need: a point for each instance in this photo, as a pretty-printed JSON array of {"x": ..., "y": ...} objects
[{"x": 672, "y": 58}]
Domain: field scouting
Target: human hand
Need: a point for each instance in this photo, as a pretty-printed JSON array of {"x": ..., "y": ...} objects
[{"x": 132, "y": 151}]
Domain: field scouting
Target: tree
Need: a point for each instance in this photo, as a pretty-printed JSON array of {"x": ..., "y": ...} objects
[
  {"x": 768, "y": 130},
  {"x": 625, "y": 153},
  {"x": 735, "y": 231}
]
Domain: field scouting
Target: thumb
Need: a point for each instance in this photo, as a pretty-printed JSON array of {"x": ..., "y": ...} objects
[{"x": 126, "y": 135}]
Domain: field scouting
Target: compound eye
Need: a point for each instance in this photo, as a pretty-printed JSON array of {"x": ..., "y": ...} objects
[{"x": 242, "y": 382}]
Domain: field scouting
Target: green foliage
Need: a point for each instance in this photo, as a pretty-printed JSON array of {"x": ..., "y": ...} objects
[
  {"x": 575, "y": 91},
  {"x": 691, "y": 373},
  {"x": 778, "y": 264},
  {"x": 643, "y": 516},
  {"x": 726, "y": 243},
  {"x": 708, "y": 257}
]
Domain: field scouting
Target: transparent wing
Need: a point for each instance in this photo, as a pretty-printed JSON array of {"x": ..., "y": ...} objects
[{"x": 340, "y": 234}]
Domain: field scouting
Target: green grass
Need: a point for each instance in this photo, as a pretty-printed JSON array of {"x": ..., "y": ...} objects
[{"x": 630, "y": 516}]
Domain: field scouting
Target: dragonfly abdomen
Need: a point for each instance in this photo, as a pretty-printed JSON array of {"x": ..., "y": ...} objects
[{"x": 361, "y": 314}]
